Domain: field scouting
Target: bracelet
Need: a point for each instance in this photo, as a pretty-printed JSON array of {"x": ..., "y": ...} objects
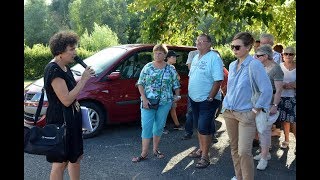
[
  {"x": 255, "y": 111},
  {"x": 177, "y": 97},
  {"x": 209, "y": 99}
]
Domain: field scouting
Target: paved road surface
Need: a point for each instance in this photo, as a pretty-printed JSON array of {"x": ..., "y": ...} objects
[{"x": 109, "y": 155}]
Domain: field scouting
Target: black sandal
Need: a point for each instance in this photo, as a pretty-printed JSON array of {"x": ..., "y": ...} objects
[
  {"x": 158, "y": 154},
  {"x": 203, "y": 163},
  {"x": 194, "y": 154},
  {"x": 138, "y": 159}
]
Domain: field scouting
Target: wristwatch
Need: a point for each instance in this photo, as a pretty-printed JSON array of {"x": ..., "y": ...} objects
[
  {"x": 275, "y": 105},
  {"x": 209, "y": 99},
  {"x": 177, "y": 97}
]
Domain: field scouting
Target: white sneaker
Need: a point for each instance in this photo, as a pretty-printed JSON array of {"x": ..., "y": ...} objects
[
  {"x": 234, "y": 178},
  {"x": 262, "y": 164},
  {"x": 258, "y": 157}
]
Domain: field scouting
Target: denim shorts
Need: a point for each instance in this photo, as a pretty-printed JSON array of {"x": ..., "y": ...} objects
[{"x": 204, "y": 113}]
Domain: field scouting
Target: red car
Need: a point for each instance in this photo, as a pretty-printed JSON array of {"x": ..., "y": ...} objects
[{"x": 112, "y": 96}]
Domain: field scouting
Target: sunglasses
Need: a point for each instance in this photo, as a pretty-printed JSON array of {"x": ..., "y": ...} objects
[
  {"x": 259, "y": 55},
  {"x": 237, "y": 47},
  {"x": 290, "y": 54},
  {"x": 200, "y": 41}
]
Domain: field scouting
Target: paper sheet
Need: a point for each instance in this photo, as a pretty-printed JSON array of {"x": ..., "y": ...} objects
[{"x": 86, "y": 122}]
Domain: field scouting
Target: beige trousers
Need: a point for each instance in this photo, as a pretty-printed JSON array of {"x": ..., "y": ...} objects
[{"x": 241, "y": 128}]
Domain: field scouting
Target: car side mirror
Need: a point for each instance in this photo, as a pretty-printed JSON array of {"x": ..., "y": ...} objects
[{"x": 114, "y": 75}]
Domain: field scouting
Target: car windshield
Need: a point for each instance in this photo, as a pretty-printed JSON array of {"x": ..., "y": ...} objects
[{"x": 101, "y": 60}]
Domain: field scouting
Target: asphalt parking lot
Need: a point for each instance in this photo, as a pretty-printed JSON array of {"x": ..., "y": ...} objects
[{"x": 109, "y": 155}]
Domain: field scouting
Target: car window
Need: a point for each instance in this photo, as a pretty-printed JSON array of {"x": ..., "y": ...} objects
[
  {"x": 101, "y": 60},
  {"x": 132, "y": 66},
  {"x": 180, "y": 64}
]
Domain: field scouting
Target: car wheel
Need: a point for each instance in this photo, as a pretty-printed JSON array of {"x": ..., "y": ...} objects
[{"x": 97, "y": 117}]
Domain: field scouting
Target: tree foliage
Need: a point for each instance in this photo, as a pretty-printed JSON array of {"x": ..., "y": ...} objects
[
  {"x": 84, "y": 13},
  {"x": 114, "y": 13},
  {"x": 59, "y": 12},
  {"x": 153, "y": 21},
  {"x": 101, "y": 37},
  {"x": 37, "y": 24},
  {"x": 178, "y": 21}
]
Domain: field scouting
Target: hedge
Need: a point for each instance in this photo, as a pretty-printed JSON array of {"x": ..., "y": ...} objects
[{"x": 37, "y": 57}]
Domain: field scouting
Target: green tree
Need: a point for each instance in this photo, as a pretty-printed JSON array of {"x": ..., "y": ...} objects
[
  {"x": 117, "y": 17},
  {"x": 178, "y": 22},
  {"x": 37, "y": 24},
  {"x": 113, "y": 13},
  {"x": 84, "y": 13},
  {"x": 59, "y": 13},
  {"x": 283, "y": 24},
  {"x": 101, "y": 37}
]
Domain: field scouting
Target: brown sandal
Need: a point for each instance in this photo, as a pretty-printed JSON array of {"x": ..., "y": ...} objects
[
  {"x": 138, "y": 159},
  {"x": 158, "y": 154},
  {"x": 194, "y": 154},
  {"x": 203, "y": 163}
]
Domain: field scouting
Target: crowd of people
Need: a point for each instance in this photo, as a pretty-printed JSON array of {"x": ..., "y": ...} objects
[{"x": 273, "y": 74}]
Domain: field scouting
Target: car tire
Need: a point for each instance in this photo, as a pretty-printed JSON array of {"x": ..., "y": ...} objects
[{"x": 97, "y": 117}]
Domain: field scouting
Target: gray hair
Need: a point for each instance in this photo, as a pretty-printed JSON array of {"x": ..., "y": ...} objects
[
  {"x": 289, "y": 49},
  {"x": 269, "y": 37},
  {"x": 266, "y": 49}
]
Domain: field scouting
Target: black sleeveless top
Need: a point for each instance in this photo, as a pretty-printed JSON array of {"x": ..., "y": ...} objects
[{"x": 56, "y": 113}]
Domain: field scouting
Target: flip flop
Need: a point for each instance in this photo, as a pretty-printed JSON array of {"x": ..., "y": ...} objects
[
  {"x": 140, "y": 158},
  {"x": 158, "y": 154}
]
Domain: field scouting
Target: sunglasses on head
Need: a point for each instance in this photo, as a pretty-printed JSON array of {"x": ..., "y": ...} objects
[
  {"x": 237, "y": 47},
  {"x": 290, "y": 54}
]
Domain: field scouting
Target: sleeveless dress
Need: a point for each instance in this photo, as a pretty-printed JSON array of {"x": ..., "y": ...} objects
[{"x": 56, "y": 112}]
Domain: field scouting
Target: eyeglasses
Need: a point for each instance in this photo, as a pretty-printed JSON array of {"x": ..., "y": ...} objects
[
  {"x": 259, "y": 55},
  {"x": 237, "y": 47},
  {"x": 158, "y": 53},
  {"x": 200, "y": 41},
  {"x": 290, "y": 54}
]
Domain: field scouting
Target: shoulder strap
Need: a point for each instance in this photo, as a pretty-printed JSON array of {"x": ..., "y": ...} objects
[
  {"x": 161, "y": 79},
  {"x": 36, "y": 116},
  {"x": 253, "y": 86}
]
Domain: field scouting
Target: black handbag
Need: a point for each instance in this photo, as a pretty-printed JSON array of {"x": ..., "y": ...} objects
[
  {"x": 154, "y": 103},
  {"x": 47, "y": 140}
]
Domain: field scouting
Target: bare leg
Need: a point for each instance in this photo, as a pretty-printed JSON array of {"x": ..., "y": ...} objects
[
  {"x": 205, "y": 141},
  {"x": 286, "y": 128},
  {"x": 57, "y": 170},
  {"x": 174, "y": 117},
  {"x": 293, "y": 126},
  {"x": 145, "y": 147},
  {"x": 257, "y": 136},
  {"x": 74, "y": 169},
  {"x": 156, "y": 140},
  {"x": 199, "y": 140}
]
